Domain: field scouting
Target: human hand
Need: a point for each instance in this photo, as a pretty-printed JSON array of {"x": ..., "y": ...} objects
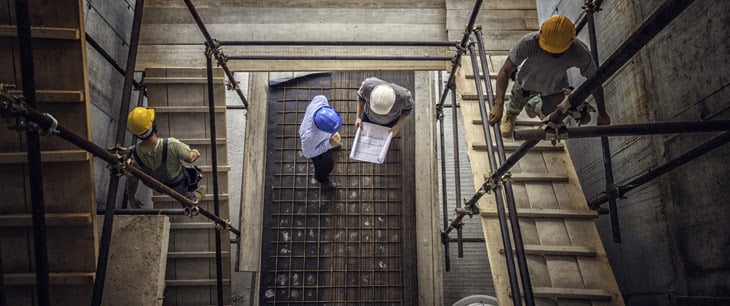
[
  {"x": 335, "y": 139},
  {"x": 496, "y": 114},
  {"x": 358, "y": 122},
  {"x": 395, "y": 129},
  {"x": 603, "y": 119}
]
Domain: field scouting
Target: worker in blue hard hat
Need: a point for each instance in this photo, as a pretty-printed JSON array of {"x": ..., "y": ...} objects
[
  {"x": 319, "y": 137},
  {"x": 383, "y": 103}
]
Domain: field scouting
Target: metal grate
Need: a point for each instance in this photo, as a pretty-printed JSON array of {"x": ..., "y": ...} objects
[{"x": 344, "y": 247}]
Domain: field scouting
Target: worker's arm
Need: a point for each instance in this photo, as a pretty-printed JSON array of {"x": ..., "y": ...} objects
[
  {"x": 603, "y": 118},
  {"x": 194, "y": 154},
  {"x": 360, "y": 105},
  {"x": 398, "y": 124},
  {"x": 502, "y": 80},
  {"x": 132, "y": 183}
]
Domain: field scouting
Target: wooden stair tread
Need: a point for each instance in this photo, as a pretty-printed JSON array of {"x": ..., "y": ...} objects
[
  {"x": 52, "y": 219},
  {"x": 557, "y": 250},
  {"x": 182, "y": 80},
  {"x": 42, "y": 32},
  {"x": 194, "y": 282},
  {"x": 65, "y": 278},
  {"x": 547, "y": 213},
  {"x": 518, "y": 122},
  {"x": 46, "y": 156},
  {"x": 186, "y": 109},
  {"x": 192, "y": 226},
  {"x": 196, "y": 254},
  {"x": 571, "y": 293},
  {"x": 206, "y": 197},
  {"x": 50, "y": 95},
  {"x": 539, "y": 177},
  {"x": 544, "y": 146}
]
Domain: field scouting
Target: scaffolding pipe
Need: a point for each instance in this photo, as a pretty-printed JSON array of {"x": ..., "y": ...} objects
[
  {"x": 583, "y": 20},
  {"x": 220, "y": 58},
  {"x": 444, "y": 193},
  {"x": 628, "y": 130},
  {"x": 501, "y": 214},
  {"x": 339, "y": 43},
  {"x": 457, "y": 172},
  {"x": 336, "y": 58},
  {"x": 507, "y": 183},
  {"x": 214, "y": 161},
  {"x": 45, "y": 121},
  {"x": 591, "y": 6},
  {"x": 35, "y": 167},
  {"x": 688, "y": 156},
  {"x": 460, "y": 49},
  {"x": 111, "y": 199},
  {"x": 146, "y": 212}
]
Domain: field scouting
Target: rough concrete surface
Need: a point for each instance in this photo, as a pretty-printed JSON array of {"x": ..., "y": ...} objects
[{"x": 137, "y": 260}]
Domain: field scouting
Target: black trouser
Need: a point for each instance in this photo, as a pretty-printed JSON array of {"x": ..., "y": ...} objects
[{"x": 323, "y": 165}]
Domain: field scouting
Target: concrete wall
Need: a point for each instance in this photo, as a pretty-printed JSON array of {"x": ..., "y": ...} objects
[
  {"x": 109, "y": 23},
  {"x": 674, "y": 229}
]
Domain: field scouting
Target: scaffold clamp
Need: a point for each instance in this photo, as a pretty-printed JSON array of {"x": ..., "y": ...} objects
[{"x": 192, "y": 211}]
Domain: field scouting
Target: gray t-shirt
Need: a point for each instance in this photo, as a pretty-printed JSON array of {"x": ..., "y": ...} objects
[
  {"x": 403, "y": 101},
  {"x": 543, "y": 73}
]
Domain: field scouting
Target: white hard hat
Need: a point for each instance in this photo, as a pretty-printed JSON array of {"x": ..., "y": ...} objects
[{"x": 382, "y": 99}]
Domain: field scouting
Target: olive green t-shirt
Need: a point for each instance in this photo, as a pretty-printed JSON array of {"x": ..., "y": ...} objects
[{"x": 176, "y": 151}]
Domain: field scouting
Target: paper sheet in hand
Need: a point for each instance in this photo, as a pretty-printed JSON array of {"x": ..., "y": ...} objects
[{"x": 371, "y": 143}]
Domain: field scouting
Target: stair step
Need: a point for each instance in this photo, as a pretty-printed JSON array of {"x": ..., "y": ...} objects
[
  {"x": 539, "y": 177},
  {"x": 547, "y": 213},
  {"x": 206, "y": 197},
  {"x": 46, "y": 156},
  {"x": 201, "y": 141},
  {"x": 42, "y": 32},
  {"x": 481, "y": 146},
  {"x": 194, "y": 282},
  {"x": 518, "y": 122},
  {"x": 571, "y": 293},
  {"x": 186, "y": 109},
  {"x": 472, "y": 96},
  {"x": 470, "y": 74},
  {"x": 52, "y": 219},
  {"x": 182, "y": 80},
  {"x": 192, "y": 226},
  {"x": 67, "y": 278},
  {"x": 559, "y": 250},
  {"x": 47, "y": 95},
  {"x": 198, "y": 254}
]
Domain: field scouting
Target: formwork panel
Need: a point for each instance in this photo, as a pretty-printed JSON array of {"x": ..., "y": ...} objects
[{"x": 343, "y": 247}]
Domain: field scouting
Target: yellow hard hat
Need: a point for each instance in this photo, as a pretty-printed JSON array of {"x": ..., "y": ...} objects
[
  {"x": 140, "y": 121},
  {"x": 556, "y": 34}
]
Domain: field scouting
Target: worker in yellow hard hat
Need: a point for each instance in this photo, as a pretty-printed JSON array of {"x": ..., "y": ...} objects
[
  {"x": 539, "y": 84},
  {"x": 161, "y": 158}
]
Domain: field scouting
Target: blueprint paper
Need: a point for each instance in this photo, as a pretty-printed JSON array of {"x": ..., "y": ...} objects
[{"x": 371, "y": 143}]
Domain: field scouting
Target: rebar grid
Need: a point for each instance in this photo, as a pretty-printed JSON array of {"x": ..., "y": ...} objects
[{"x": 342, "y": 247}]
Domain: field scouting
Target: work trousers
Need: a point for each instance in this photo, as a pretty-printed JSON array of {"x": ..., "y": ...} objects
[
  {"x": 543, "y": 105},
  {"x": 323, "y": 165}
]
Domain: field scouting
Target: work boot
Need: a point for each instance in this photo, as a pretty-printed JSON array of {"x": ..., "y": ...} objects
[
  {"x": 329, "y": 185},
  {"x": 199, "y": 193},
  {"x": 508, "y": 125},
  {"x": 530, "y": 112}
]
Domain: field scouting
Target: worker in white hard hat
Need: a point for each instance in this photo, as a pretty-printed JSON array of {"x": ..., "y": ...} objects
[
  {"x": 539, "y": 85},
  {"x": 160, "y": 158},
  {"x": 319, "y": 136},
  {"x": 383, "y": 103}
]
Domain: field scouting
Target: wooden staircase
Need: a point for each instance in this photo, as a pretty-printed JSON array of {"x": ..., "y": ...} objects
[
  {"x": 58, "y": 50},
  {"x": 565, "y": 256},
  {"x": 180, "y": 99}
]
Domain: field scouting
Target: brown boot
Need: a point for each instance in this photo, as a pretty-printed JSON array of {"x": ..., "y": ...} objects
[
  {"x": 508, "y": 125},
  {"x": 530, "y": 112}
]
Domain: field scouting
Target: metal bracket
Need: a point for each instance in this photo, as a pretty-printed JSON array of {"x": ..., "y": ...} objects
[
  {"x": 219, "y": 227},
  {"x": 53, "y": 129},
  {"x": 192, "y": 211}
]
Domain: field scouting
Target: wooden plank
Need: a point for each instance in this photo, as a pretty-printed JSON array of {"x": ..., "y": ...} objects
[
  {"x": 187, "y": 109},
  {"x": 182, "y": 80},
  {"x": 559, "y": 250},
  {"x": 194, "y": 282},
  {"x": 547, "y": 213},
  {"x": 207, "y": 197},
  {"x": 42, "y": 32},
  {"x": 196, "y": 254},
  {"x": 14, "y": 279},
  {"x": 572, "y": 293},
  {"x": 539, "y": 177},
  {"x": 46, "y": 156},
  {"x": 52, "y": 219},
  {"x": 192, "y": 226},
  {"x": 481, "y": 146},
  {"x": 49, "y": 95}
]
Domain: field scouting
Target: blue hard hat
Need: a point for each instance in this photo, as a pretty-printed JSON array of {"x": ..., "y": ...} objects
[{"x": 327, "y": 119}]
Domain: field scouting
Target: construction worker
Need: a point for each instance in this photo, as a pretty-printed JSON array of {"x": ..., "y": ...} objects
[
  {"x": 544, "y": 57},
  {"x": 319, "y": 137},
  {"x": 161, "y": 158},
  {"x": 383, "y": 103}
]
